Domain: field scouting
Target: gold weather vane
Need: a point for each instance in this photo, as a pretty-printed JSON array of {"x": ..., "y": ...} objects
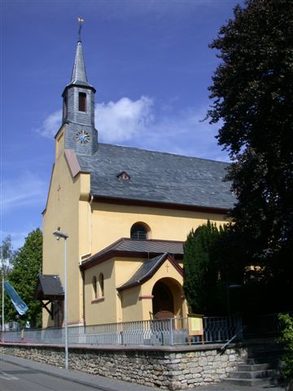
[{"x": 80, "y": 22}]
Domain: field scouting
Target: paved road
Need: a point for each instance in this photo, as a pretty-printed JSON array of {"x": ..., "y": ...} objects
[
  {"x": 17, "y": 374},
  {"x": 16, "y": 378}
]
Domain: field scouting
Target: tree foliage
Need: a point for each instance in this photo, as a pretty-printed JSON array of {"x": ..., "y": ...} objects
[
  {"x": 6, "y": 254},
  {"x": 287, "y": 339},
  {"x": 252, "y": 95},
  {"x": 200, "y": 273},
  {"x": 23, "y": 277},
  {"x": 214, "y": 261}
]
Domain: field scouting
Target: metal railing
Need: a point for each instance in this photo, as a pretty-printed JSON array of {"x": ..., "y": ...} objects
[{"x": 166, "y": 332}]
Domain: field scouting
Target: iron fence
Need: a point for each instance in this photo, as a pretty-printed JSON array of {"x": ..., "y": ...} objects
[{"x": 166, "y": 332}]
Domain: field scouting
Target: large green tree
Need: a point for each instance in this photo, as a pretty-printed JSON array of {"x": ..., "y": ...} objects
[
  {"x": 252, "y": 94},
  {"x": 214, "y": 263},
  {"x": 200, "y": 271},
  {"x": 6, "y": 258},
  {"x": 6, "y": 255},
  {"x": 23, "y": 277}
]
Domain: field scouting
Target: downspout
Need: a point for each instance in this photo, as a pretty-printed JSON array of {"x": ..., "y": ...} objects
[
  {"x": 90, "y": 223},
  {"x": 89, "y": 252},
  {"x": 83, "y": 299}
]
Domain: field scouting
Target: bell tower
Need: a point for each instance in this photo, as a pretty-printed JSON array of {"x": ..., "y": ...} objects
[{"x": 79, "y": 109}]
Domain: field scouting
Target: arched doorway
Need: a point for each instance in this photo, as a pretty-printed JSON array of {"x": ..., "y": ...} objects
[{"x": 163, "y": 301}]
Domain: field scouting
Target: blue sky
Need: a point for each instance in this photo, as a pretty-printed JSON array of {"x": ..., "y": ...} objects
[{"x": 149, "y": 62}]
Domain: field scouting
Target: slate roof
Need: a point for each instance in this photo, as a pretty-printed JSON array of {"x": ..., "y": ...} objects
[
  {"x": 138, "y": 248},
  {"x": 146, "y": 271},
  {"x": 147, "y": 246},
  {"x": 78, "y": 76},
  {"x": 157, "y": 177},
  {"x": 49, "y": 287}
]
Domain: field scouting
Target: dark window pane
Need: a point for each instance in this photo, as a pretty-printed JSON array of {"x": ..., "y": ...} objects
[
  {"x": 82, "y": 101},
  {"x": 138, "y": 231}
]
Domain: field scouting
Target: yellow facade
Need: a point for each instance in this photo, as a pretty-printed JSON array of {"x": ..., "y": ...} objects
[{"x": 91, "y": 226}]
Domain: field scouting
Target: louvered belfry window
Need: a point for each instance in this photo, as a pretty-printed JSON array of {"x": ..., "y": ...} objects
[{"x": 82, "y": 101}]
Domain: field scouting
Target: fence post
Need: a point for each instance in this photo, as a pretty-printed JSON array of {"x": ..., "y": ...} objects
[{"x": 171, "y": 332}]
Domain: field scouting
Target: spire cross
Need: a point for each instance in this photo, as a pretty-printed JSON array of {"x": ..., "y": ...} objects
[{"x": 80, "y": 22}]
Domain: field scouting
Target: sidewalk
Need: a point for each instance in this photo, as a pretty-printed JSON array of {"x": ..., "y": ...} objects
[{"x": 107, "y": 384}]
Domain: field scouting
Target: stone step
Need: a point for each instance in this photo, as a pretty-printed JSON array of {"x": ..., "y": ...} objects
[
  {"x": 271, "y": 360},
  {"x": 262, "y": 374},
  {"x": 246, "y": 382},
  {"x": 253, "y": 367}
]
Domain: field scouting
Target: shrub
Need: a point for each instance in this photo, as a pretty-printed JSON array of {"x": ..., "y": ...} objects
[{"x": 287, "y": 339}]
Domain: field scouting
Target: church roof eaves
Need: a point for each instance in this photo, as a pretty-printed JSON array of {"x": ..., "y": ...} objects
[
  {"x": 158, "y": 204},
  {"x": 131, "y": 248}
]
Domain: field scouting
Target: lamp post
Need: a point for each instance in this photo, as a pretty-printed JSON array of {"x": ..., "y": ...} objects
[
  {"x": 2, "y": 312},
  {"x": 61, "y": 235}
]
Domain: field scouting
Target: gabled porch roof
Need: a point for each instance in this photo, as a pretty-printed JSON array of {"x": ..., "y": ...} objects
[
  {"x": 148, "y": 269},
  {"x": 49, "y": 288}
]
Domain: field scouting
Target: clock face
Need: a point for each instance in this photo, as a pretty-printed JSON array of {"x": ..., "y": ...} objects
[{"x": 82, "y": 136}]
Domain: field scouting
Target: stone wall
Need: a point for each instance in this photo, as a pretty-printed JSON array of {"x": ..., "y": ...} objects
[{"x": 169, "y": 368}]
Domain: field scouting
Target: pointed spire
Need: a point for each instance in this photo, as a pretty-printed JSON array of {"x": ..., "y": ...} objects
[{"x": 79, "y": 73}]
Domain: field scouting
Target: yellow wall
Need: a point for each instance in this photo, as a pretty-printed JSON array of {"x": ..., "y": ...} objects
[
  {"x": 63, "y": 211},
  {"x": 102, "y": 310},
  {"x": 116, "y": 272},
  {"x": 165, "y": 224},
  {"x": 132, "y": 305}
]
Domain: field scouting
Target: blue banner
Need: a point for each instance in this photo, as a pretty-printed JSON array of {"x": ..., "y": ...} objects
[{"x": 19, "y": 305}]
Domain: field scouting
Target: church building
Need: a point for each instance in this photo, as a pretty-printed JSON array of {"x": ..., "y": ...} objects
[{"x": 126, "y": 213}]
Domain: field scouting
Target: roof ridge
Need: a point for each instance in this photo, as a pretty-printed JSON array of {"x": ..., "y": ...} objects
[{"x": 162, "y": 152}]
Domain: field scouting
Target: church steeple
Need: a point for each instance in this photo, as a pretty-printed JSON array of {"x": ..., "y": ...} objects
[
  {"x": 78, "y": 72},
  {"x": 79, "y": 109}
]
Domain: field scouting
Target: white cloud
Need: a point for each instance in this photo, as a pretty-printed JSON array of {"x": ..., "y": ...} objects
[
  {"x": 51, "y": 124},
  {"x": 139, "y": 123},
  {"x": 184, "y": 132},
  {"x": 122, "y": 120},
  {"x": 117, "y": 121}
]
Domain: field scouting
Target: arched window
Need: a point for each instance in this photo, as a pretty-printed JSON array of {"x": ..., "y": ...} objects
[
  {"x": 94, "y": 284},
  {"x": 139, "y": 231},
  {"x": 101, "y": 285}
]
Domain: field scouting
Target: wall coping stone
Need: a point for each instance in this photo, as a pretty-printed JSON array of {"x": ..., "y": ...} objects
[{"x": 117, "y": 348}]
